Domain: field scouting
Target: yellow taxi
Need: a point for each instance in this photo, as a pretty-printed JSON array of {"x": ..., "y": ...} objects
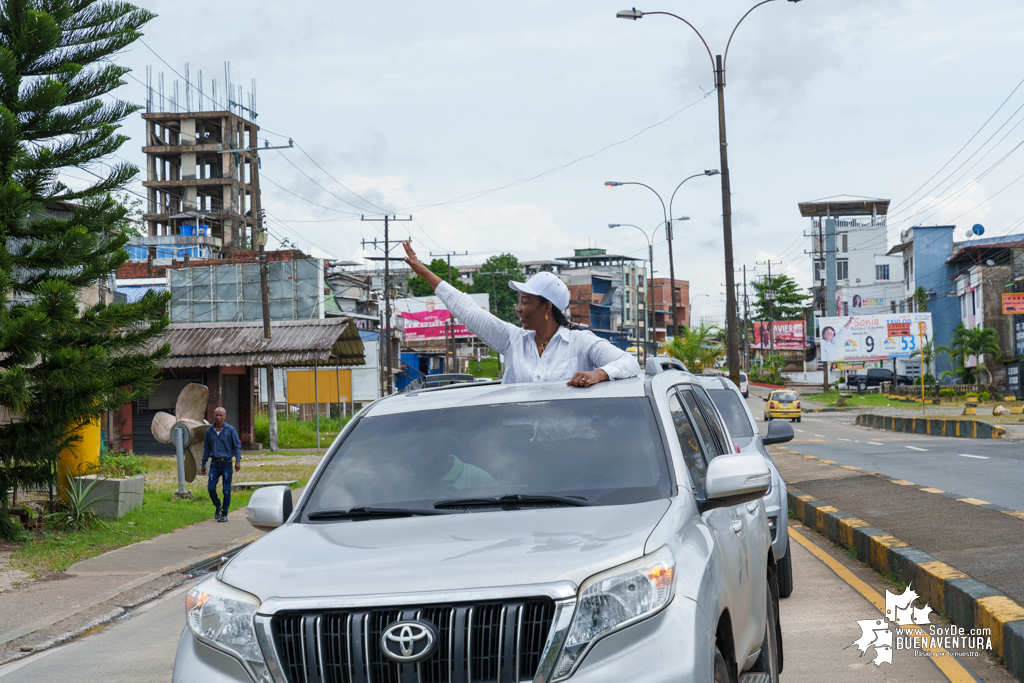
[{"x": 782, "y": 404}]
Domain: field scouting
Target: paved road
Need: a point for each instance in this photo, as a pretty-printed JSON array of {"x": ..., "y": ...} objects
[
  {"x": 819, "y": 624},
  {"x": 989, "y": 469}
]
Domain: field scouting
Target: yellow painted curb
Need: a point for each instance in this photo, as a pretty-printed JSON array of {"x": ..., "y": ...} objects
[
  {"x": 930, "y": 582},
  {"x": 974, "y": 501},
  {"x": 850, "y": 467},
  {"x": 846, "y": 527},
  {"x": 820, "y": 519},
  {"x": 799, "y": 509},
  {"x": 1013, "y": 513},
  {"x": 993, "y": 612},
  {"x": 902, "y": 482},
  {"x": 878, "y": 551},
  {"x": 829, "y": 462},
  {"x": 929, "y": 489}
]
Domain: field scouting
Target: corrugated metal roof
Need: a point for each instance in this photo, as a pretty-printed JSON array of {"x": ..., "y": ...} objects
[{"x": 331, "y": 341}]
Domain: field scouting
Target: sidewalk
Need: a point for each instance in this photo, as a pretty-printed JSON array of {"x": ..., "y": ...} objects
[
  {"x": 102, "y": 588},
  {"x": 978, "y": 543}
]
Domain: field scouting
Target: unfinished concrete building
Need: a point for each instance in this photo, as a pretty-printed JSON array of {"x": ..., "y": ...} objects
[{"x": 202, "y": 183}]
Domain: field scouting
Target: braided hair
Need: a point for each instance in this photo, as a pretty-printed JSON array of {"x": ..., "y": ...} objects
[{"x": 559, "y": 316}]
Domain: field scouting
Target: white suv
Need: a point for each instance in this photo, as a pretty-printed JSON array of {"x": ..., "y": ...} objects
[{"x": 507, "y": 533}]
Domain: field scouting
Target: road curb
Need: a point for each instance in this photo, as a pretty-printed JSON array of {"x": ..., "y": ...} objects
[
  {"x": 106, "y": 607},
  {"x": 949, "y": 591},
  {"x": 932, "y": 426}
]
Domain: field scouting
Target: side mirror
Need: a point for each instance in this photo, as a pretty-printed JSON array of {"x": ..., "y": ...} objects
[
  {"x": 269, "y": 507},
  {"x": 764, "y": 398},
  {"x": 735, "y": 479},
  {"x": 779, "y": 431}
]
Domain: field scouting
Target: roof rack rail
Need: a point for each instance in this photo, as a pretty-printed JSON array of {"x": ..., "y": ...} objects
[
  {"x": 658, "y": 364},
  {"x": 438, "y": 380}
]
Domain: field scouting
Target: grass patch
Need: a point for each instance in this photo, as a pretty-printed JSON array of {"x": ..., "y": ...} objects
[
  {"x": 854, "y": 399},
  {"x": 488, "y": 367},
  {"x": 293, "y": 433},
  {"x": 52, "y": 550}
]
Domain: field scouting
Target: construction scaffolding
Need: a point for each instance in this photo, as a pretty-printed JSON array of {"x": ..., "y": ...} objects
[{"x": 231, "y": 292}]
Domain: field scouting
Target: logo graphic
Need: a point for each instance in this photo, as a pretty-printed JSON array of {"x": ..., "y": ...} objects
[
  {"x": 914, "y": 631},
  {"x": 899, "y": 610},
  {"x": 408, "y": 641}
]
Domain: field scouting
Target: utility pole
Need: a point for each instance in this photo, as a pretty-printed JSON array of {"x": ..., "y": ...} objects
[
  {"x": 386, "y": 337},
  {"x": 261, "y": 240},
  {"x": 450, "y": 329},
  {"x": 746, "y": 321}
]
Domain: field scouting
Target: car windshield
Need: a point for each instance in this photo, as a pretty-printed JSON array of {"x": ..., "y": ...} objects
[
  {"x": 607, "y": 451},
  {"x": 743, "y": 377},
  {"x": 785, "y": 396},
  {"x": 729, "y": 405}
]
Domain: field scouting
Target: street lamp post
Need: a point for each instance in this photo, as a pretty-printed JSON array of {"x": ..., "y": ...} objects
[
  {"x": 718, "y": 64},
  {"x": 691, "y": 305},
  {"x": 668, "y": 236},
  {"x": 647, "y": 285}
]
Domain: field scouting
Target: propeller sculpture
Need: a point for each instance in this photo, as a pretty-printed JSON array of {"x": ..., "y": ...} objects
[{"x": 186, "y": 429}]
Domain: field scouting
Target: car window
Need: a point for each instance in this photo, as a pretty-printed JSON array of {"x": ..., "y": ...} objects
[
  {"x": 785, "y": 396},
  {"x": 609, "y": 451},
  {"x": 743, "y": 377},
  {"x": 711, "y": 446},
  {"x": 696, "y": 463},
  {"x": 730, "y": 405},
  {"x": 712, "y": 417}
]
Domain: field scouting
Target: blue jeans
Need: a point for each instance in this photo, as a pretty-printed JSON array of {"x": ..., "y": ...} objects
[{"x": 218, "y": 470}]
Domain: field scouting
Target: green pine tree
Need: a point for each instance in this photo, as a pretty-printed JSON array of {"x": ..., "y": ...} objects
[
  {"x": 788, "y": 303},
  {"x": 501, "y": 269},
  {"x": 62, "y": 361}
]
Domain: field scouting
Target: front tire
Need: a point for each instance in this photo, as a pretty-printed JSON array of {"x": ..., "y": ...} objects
[
  {"x": 786, "y": 574},
  {"x": 721, "y": 668},
  {"x": 862, "y": 387},
  {"x": 768, "y": 661}
]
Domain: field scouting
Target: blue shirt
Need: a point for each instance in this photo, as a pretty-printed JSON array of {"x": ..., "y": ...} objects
[{"x": 223, "y": 445}]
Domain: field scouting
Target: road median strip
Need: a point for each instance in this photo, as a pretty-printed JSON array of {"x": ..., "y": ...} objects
[
  {"x": 967, "y": 602},
  {"x": 932, "y": 426}
]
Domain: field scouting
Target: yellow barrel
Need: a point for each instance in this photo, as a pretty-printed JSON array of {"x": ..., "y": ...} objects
[{"x": 83, "y": 456}]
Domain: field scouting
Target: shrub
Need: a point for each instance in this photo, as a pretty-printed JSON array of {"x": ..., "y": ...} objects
[
  {"x": 122, "y": 466},
  {"x": 984, "y": 396},
  {"x": 947, "y": 393}
]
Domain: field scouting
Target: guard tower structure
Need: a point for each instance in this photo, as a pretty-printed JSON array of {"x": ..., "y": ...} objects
[{"x": 202, "y": 183}]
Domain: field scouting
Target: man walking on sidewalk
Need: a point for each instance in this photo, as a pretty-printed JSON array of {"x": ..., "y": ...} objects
[{"x": 221, "y": 445}]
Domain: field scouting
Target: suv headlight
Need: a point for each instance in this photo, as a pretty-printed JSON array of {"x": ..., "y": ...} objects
[
  {"x": 614, "y": 599},
  {"x": 222, "y": 617}
]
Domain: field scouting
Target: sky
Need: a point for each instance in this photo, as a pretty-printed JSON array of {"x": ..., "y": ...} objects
[{"x": 495, "y": 125}]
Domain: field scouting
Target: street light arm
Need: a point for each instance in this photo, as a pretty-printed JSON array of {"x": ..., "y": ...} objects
[
  {"x": 726, "y": 57},
  {"x": 695, "y": 31},
  {"x": 664, "y": 214},
  {"x": 630, "y": 225},
  {"x": 672, "y": 198}
]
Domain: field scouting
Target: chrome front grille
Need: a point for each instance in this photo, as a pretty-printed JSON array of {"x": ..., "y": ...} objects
[{"x": 482, "y": 642}]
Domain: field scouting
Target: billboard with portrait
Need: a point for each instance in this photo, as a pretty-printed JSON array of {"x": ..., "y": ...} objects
[
  {"x": 787, "y": 335},
  {"x": 425, "y": 318},
  {"x": 866, "y": 337}
]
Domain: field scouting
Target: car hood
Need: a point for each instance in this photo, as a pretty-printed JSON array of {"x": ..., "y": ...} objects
[{"x": 439, "y": 553}]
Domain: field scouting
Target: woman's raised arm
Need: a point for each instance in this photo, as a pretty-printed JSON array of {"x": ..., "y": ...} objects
[{"x": 494, "y": 331}]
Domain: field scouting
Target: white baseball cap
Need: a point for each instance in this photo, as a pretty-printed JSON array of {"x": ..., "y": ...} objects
[{"x": 547, "y": 285}]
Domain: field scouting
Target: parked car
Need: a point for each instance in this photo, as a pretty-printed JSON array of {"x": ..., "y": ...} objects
[
  {"x": 743, "y": 429},
  {"x": 533, "y": 532},
  {"x": 873, "y": 377},
  {"x": 744, "y": 385},
  {"x": 782, "y": 404}
]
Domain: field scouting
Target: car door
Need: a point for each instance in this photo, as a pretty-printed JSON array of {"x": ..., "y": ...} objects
[
  {"x": 700, "y": 445},
  {"x": 749, "y": 515}
]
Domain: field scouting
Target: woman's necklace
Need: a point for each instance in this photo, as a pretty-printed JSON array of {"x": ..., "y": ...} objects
[{"x": 541, "y": 346}]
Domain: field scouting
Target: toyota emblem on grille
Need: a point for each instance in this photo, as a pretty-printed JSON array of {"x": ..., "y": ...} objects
[{"x": 408, "y": 641}]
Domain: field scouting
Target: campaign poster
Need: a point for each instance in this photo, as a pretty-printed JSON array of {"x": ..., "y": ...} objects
[
  {"x": 425, "y": 318},
  {"x": 854, "y": 337},
  {"x": 787, "y": 335},
  {"x": 863, "y": 301},
  {"x": 1013, "y": 303}
]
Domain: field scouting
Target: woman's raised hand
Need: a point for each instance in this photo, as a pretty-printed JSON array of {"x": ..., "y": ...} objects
[{"x": 418, "y": 268}]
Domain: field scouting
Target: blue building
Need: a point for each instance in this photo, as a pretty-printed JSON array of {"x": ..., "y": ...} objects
[{"x": 925, "y": 250}]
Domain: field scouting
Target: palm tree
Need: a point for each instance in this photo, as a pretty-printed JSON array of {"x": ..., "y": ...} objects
[
  {"x": 958, "y": 355},
  {"x": 698, "y": 347},
  {"x": 981, "y": 341},
  {"x": 927, "y": 353}
]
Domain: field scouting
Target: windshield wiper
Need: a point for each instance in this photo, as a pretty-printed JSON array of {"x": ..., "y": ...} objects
[
  {"x": 514, "y": 499},
  {"x": 363, "y": 512}
]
